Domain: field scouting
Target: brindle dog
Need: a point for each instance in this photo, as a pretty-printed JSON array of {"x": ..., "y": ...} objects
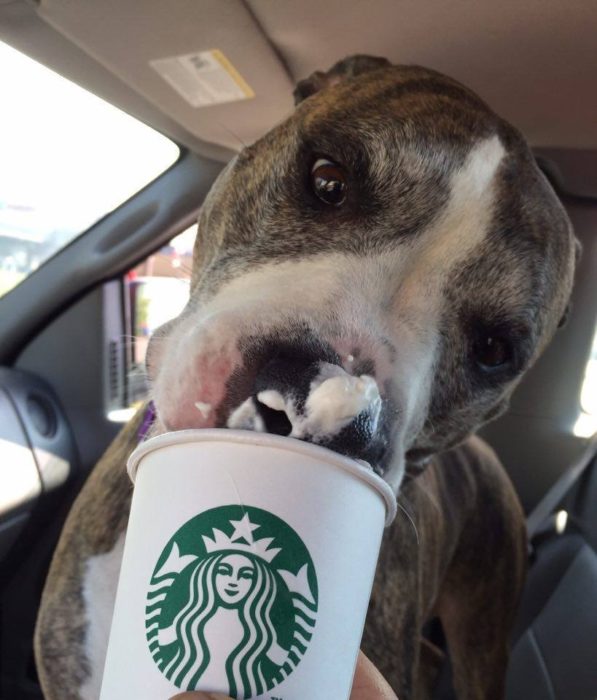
[{"x": 396, "y": 227}]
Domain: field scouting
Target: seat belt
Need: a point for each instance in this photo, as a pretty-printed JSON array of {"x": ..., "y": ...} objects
[{"x": 556, "y": 493}]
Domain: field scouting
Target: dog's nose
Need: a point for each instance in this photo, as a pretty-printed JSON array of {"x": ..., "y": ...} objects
[
  {"x": 290, "y": 378},
  {"x": 314, "y": 400}
]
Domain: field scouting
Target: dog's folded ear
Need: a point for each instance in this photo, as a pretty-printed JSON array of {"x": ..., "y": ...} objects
[
  {"x": 565, "y": 317},
  {"x": 347, "y": 68},
  {"x": 577, "y": 256}
]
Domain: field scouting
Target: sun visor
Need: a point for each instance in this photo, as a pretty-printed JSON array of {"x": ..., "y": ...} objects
[{"x": 207, "y": 64}]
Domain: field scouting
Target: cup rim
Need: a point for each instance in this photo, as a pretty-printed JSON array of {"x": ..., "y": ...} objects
[{"x": 356, "y": 468}]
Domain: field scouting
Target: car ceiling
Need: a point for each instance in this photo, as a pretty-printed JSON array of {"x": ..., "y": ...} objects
[{"x": 533, "y": 62}]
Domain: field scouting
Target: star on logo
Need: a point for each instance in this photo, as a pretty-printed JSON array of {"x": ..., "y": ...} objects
[
  {"x": 243, "y": 528},
  {"x": 241, "y": 540}
]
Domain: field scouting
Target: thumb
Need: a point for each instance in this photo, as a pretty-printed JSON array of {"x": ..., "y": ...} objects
[{"x": 368, "y": 683}]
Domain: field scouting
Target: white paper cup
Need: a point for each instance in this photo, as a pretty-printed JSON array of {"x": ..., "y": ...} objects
[{"x": 247, "y": 569}]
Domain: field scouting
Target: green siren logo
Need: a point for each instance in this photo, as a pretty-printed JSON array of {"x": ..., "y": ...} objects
[{"x": 232, "y": 602}]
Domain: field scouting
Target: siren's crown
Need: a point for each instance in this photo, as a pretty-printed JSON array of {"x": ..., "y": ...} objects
[{"x": 243, "y": 529}]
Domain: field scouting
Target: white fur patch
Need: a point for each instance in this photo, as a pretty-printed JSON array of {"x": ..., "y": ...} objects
[
  {"x": 99, "y": 593},
  {"x": 419, "y": 294},
  {"x": 464, "y": 222}
]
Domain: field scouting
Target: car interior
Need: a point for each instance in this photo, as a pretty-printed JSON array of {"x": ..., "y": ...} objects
[{"x": 74, "y": 318}]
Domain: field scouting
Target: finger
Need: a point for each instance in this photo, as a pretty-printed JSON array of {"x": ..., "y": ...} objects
[{"x": 368, "y": 683}]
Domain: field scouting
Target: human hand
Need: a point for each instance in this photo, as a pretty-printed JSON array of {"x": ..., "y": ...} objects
[{"x": 368, "y": 684}]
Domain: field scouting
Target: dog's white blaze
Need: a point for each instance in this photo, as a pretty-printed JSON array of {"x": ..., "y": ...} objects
[
  {"x": 457, "y": 232},
  {"x": 449, "y": 242},
  {"x": 465, "y": 220},
  {"x": 305, "y": 284},
  {"x": 99, "y": 593},
  {"x": 433, "y": 256},
  {"x": 311, "y": 278}
]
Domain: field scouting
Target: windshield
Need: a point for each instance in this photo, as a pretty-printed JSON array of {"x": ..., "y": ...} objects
[{"x": 67, "y": 158}]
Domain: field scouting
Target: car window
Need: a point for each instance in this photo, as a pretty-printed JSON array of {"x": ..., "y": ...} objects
[
  {"x": 156, "y": 290},
  {"x": 67, "y": 159},
  {"x": 586, "y": 424}
]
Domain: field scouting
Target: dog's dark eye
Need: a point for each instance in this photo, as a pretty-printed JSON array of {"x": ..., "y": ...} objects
[
  {"x": 329, "y": 181},
  {"x": 492, "y": 352}
]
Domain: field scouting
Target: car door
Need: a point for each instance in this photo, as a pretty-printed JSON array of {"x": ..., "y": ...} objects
[{"x": 81, "y": 210}]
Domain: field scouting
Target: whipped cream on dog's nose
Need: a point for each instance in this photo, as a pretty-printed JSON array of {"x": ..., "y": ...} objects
[{"x": 334, "y": 401}]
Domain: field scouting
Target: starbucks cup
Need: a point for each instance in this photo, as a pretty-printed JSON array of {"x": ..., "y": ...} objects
[{"x": 247, "y": 568}]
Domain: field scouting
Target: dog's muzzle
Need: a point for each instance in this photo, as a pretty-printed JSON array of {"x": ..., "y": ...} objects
[
  {"x": 305, "y": 392},
  {"x": 287, "y": 379}
]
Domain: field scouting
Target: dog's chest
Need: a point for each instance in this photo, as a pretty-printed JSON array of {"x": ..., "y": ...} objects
[{"x": 99, "y": 592}]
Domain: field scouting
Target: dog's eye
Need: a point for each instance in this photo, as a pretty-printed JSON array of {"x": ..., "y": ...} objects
[
  {"x": 492, "y": 352},
  {"x": 329, "y": 181}
]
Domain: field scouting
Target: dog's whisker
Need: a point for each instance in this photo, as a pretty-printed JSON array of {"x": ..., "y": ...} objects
[{"x": 412, "y": 522}]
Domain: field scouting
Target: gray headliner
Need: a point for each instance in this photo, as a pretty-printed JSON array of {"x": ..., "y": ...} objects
[{"x": 533, "y": 62}]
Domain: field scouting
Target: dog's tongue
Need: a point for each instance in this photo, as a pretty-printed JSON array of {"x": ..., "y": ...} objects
[{"x": 314, "y": 401}]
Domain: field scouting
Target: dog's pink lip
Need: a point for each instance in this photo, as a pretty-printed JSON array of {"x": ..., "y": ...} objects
[
  {"x": 198, "y": 401},
  {"x": 186, "y": 421}
]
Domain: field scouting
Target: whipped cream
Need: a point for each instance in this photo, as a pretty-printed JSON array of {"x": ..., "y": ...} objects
[{"x": 334, "y": 400}]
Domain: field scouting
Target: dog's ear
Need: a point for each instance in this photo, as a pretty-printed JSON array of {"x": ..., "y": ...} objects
[
  {"x": 577, "y": 256},
  {"x": 347, "y": 68},
  {"x": 577, "y": 251},
  {"x": 565, "y": 317}
]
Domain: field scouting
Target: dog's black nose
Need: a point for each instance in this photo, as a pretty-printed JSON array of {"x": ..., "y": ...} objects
[
  {"x": 290, "y": 378},
  {"x": 321, "y": 403}
]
